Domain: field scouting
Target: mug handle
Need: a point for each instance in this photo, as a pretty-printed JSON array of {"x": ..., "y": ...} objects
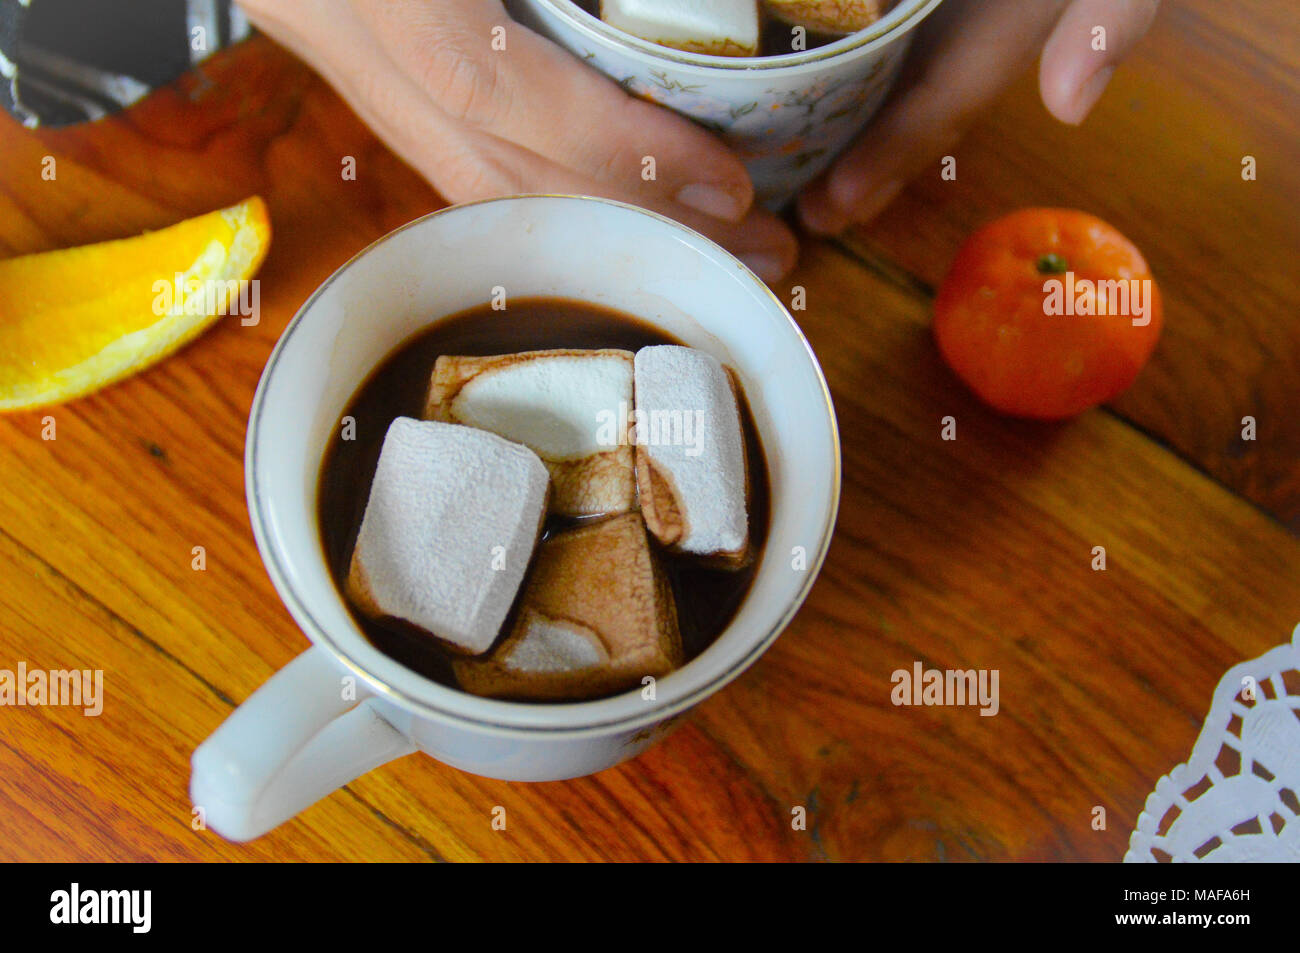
[{"x": 295, "y": 740}]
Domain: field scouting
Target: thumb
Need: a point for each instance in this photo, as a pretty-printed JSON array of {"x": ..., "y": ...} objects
[{"x": 1089, "y": 41}]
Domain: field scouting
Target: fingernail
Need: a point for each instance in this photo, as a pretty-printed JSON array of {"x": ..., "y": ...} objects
[
  {"x": 865, "y": 202},
  {"x": 884, "y": 195},
  {"x": 768, "y": 267},
  {"x": 1088, "y": 95},
  {"x": 819, "y": 215},
  {"x": 712, "y": 200}
]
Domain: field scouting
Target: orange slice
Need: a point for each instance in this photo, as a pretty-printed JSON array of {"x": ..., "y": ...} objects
[{"x": 76, "y": 320}]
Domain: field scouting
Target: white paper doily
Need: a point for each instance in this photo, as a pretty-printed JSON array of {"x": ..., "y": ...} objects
[{"x": 1237, "y": 798}]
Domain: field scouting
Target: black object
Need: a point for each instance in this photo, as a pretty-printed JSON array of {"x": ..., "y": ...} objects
[{"x": 69, "y": 61}]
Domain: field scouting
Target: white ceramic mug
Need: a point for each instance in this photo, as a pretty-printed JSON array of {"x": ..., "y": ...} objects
[
  {"x": 787, "y": 116},
  {"x": 343, "y": 707}
]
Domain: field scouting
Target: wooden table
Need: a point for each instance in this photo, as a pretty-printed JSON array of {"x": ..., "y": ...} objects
[{"x": 974, "y": 553}]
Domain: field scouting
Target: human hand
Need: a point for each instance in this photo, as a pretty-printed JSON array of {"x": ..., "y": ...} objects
[
  {"x": 967, "y": 53},
  {"x": 479, "y": 122}
]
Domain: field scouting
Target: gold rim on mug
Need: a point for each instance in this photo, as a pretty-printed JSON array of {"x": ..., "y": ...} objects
[
  {"x": 900, "y": 19},
  {"x": 519, "y": 726}
]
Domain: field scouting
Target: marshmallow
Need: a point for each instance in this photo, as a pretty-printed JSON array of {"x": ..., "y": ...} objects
[
  {"x": 448, "y": 531},
  {"x": 690, "y": 454},
  {"x": 596, "y": 617},
  {"x": 569, "y": 407},
  {"x": 718, "y": 27},
  {"x": 829, "y": 16}
]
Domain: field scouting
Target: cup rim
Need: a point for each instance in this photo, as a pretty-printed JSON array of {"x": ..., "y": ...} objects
[
  {"x": 901, "y": 19},
  {"x": 522, "y": 724}
]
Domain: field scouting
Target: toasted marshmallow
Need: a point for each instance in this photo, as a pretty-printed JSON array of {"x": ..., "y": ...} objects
[
  {"x": 829, "y": 16},
  {"x": 448, "y": 532},
  {"x": 595, "y": 618},
  {"x": 569, "y": 407},
  {"x": 717, "y": 27},
  {"x": 690, "y": 454}
]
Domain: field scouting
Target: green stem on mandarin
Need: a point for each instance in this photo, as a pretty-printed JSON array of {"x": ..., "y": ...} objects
[{"x": 1052, "y": 264}]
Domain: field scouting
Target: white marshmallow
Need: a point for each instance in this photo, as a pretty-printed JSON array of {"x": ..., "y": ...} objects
[
  {"x": 552, "y": 646},
  {"x": 448, "y": 531},
  {"x": 568, "y": 406},
  {"x": 720, "y": 27},
  {"x": 690, "y": 454},
  {"x": 550, "y": 404}
]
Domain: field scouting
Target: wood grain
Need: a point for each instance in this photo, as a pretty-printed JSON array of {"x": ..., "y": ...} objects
[{"x": 967, "y": 553}]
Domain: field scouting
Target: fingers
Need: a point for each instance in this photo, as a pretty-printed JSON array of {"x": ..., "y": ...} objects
[
  {"x": 538, "y": 96},
  {"x": 761, "y": 240},
  {"x": 967, "y": 55},
  {"x": 466, "y": 165},
  {"x": 481, "y": 155},
  {"x": 1091, "y": 39}
]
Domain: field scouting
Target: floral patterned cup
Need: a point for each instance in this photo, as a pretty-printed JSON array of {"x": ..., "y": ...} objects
[{"x": 787, "y": 116}]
